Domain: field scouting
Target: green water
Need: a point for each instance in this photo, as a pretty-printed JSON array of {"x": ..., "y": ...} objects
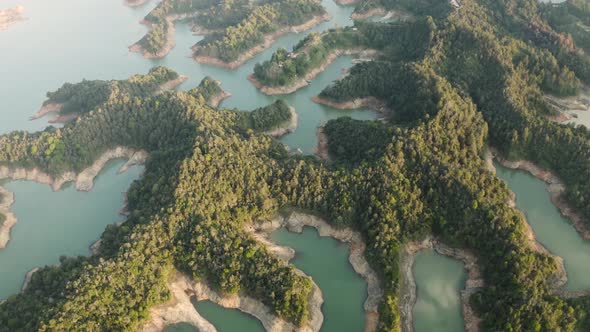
[
  {"x": 551, "y": 229},
  {"x": 228, "y": 320},
  {"x": 326, "y": 261},
  {"x": 51, "y": 224},
  {"x": 438, "y": 281}
]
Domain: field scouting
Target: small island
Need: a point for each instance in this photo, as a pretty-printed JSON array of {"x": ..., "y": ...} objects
[{"x": 11, "y": 16}]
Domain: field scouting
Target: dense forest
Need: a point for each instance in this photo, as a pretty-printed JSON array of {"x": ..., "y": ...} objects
[
  {"x": 234, "y": 26},
  {"x": 400, "y": 40},
  {"x": 467, "y": 79},
  {"x": 87, "y": 95},
  {"x": 250, "y": 32}
]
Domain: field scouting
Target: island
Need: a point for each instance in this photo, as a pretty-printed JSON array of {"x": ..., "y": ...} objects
[
  {"x": 11, "y": 16},
  {"x": 464, "y": 76},
  {"x": 234, "y": 32}
]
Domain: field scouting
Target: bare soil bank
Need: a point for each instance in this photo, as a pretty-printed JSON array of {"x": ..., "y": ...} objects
[{"x": 11, "y": 16}]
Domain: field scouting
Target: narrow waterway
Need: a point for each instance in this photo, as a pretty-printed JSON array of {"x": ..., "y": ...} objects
[
  {"x": 53, "y": 224},
  {"x": 439, "y": 280},
  {"x": 551, "y": 229},
  {"x": 326, "y": 261}
]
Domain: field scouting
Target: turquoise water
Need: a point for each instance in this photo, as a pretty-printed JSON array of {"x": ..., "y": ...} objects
[
  {"x": 326, "y": 261},
  {"x": 551, "y": 229},
  {"x": 51, "y": 224},
  {"x": 228, "y": 320},
  {"x": 438, "y": 281}
]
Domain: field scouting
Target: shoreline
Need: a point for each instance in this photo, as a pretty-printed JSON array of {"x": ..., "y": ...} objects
[
  {"x": 556, "y": 188},
  {"x": 321, "y": 149},
  {"x": 6, "y": 202},
  {"x": 347, "y": 2},
  {"x": 290, "y": 127},
  {"x": 11, "y": 16},
  {"x": 370, "y": 103},
  {"x": 83, "y": 181},
  {"x": 304, "y": 81},
  {"x": 181, "y": 309},
  {"x": 558, "y": 281},
  {"x": 407, "y": 290},
  {"x": 135, "y": 3},
  {"x": 567, "y": 107},
  {"x": 216, "y": 100},
  {"x": 296, "y": 221},
  {"x": 170, "y": 85},
  {"x": 170, "y": 38},
  {"x": 269, "y": 39},
  {"x": 379, "y": 11}
]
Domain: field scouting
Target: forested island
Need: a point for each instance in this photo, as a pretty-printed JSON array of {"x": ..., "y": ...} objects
[
  {"x": 11, "y": 16},
  {"x": 235, "y": 30},
  {"x": 461, "y": 77},
  {"x": 71, "y": 100}
]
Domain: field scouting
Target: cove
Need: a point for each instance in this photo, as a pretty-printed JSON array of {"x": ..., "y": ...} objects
[
  {"x": 438, "y": 282},
  {"x": 52, "y": 224},
  {"x": 326, "y": 261},
  {"x": 228, "y": 320},
  {"x": 551, "y": 229}
]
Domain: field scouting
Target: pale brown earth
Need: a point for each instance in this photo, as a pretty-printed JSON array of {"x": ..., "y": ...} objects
[
  {"x": 322, "y": 148},
  {"x": 170, "y": 38},
  {"x": 371, "y": 103}
]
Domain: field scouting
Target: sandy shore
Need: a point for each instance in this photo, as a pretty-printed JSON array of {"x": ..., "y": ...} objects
[
  {"x": 11, "y": 16},
  {"x": 84, "y": 181},
  {"x": 289, "y": 127},
  {"x": 269, "y": 39},
  {"x": 407, "y": 297},
  {"x": 304, "y": 81},
  {"x": 46, "y": 109}
]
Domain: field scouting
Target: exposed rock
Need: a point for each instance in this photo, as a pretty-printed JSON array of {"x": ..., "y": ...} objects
[
  {"x": 371, "y": 103},
  {"x": 322, "y": 150},
  {"x": 170, "y": 38}
]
